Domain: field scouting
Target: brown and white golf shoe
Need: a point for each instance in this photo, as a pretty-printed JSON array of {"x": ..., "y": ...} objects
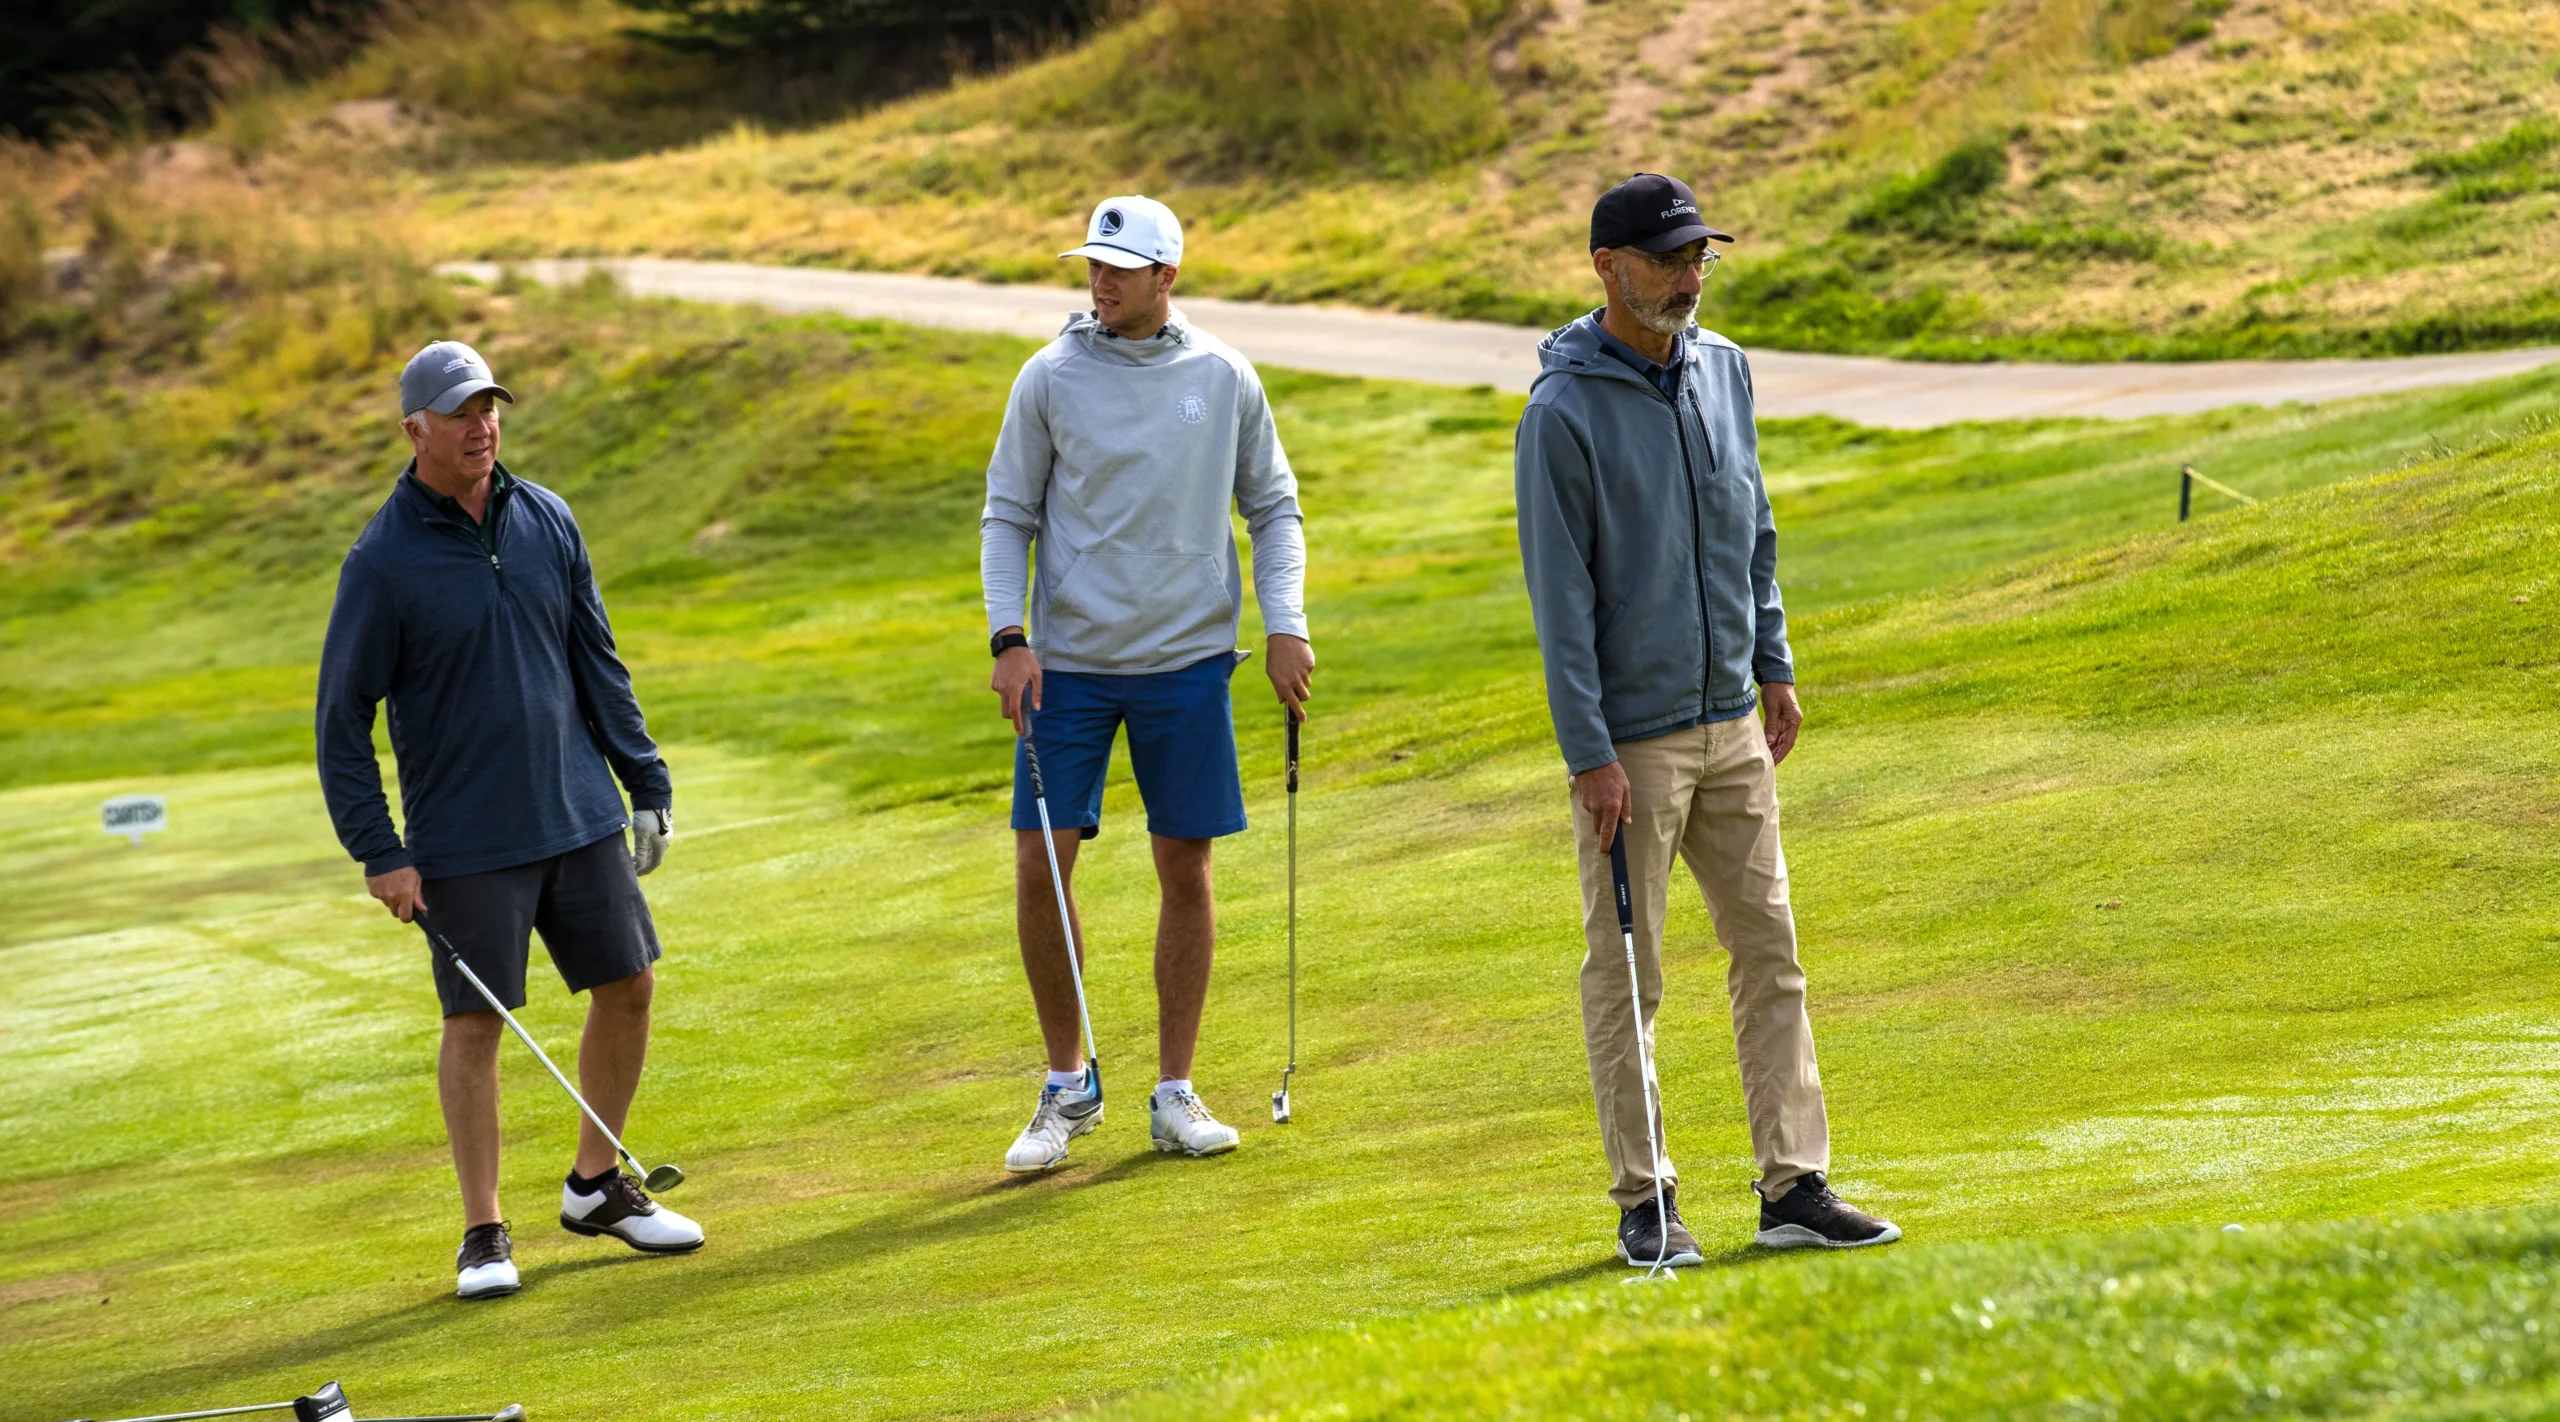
[{"x": 622, "y": 1210}]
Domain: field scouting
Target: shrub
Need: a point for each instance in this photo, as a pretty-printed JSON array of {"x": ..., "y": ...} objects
[
  {"x": 152, "y": 64},
  {"x": 1937, "y": 204},
  {"x": 2518, "y": 147}
]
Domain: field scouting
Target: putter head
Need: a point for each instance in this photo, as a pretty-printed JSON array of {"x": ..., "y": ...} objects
[
  {"x": 1280, "y": 1107},
  {"x": 661, "y": 1179},
  {"x": 328, "y": 1402}
]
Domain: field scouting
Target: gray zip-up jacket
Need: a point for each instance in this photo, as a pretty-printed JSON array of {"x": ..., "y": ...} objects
[
  {"x": 1120, "y": 459},
  {"x": 1651, "y": 555}
]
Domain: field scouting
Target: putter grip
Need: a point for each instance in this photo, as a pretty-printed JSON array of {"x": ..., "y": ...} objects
[
  {"x": 1618, "y": 875},
  {"x": 1031, "y": 754},
  {"x": 1289, "y": 715}
]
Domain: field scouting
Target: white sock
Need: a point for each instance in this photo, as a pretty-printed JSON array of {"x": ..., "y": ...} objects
[
  {"x": 1067, "y": 1080},
  {"x": 1168, "y": 1086}
]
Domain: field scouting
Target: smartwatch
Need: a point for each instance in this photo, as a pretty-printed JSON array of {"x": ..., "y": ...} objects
[{"x": 1004, "y": 641}]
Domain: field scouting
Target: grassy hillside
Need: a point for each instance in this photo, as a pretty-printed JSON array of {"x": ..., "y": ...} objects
[
  {"x": 2150, "y": 877},
  {"x": 1943, "y": 178}
]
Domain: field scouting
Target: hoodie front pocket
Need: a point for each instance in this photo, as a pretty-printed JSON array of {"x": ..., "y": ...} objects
[{"x": 1135, "y": 607}]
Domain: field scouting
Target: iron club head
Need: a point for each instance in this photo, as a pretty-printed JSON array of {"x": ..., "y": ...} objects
[
  {"x": 514, "y": 1413},
  {"x": 1280, "y": 1107},
  {"x": 662, "y": 1178}
]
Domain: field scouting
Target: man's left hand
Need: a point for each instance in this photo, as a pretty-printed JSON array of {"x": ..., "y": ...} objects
[
  {"x": 1781, "y": 718},
  {"x": 650, "y": 831},
  {"x": 1292, "y": 665}
]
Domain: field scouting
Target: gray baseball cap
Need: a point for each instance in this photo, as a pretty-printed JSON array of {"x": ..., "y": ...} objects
[{"x": 444, "y": 375}]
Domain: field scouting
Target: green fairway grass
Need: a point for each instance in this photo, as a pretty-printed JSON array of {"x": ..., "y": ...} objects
[{"x": 2151, "y": 878}]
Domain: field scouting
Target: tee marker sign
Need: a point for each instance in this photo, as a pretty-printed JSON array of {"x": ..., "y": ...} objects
[{"x": 134, "y": 816}]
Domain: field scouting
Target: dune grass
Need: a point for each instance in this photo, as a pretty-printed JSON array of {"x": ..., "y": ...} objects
[
  {"x": 2063, "y": 179},
  {"x": 2151, "y": 878}
]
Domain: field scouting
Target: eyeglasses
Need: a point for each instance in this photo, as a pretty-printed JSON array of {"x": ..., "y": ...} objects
[{"x": 1670, "y": 265}]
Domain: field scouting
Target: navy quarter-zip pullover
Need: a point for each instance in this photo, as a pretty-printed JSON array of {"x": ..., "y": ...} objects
[{"x": 511, "y": 715}]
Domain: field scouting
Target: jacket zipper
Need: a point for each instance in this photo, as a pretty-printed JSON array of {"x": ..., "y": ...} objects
[{"x": 1697, "y": 552}]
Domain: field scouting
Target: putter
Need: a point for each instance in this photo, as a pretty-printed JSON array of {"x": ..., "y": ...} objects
[
  {"x": 1661, "y": 1267},
  {"x": 1280, "y": 1098},
  {"x": 328, "y": 1403},
  {"x": 1066, "y": 922},
  {"x": 660, "y": 1178}
]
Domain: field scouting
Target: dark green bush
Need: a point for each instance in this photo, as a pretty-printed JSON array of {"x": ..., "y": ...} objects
[{"x": 1937, "y": 204}]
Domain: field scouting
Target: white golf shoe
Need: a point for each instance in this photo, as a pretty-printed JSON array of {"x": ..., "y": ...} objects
[
  {"x": 1061, "y": 1116},
  {"x": 486, "y": 1266},
  {"x": 625, "y": 1212},
  {"x": 1179, "y": 1121}
]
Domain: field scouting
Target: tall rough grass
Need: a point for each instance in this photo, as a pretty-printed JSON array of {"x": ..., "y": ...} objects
[{"x": 1397, "y": 86}]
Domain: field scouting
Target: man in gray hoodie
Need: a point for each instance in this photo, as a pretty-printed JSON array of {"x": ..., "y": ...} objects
[
  {"x": 1126, "y": 442},
  {"x": 1652, "y": 568}
]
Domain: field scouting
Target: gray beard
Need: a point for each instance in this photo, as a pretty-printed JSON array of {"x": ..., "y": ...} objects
[{"x": 1670, "y": 318}]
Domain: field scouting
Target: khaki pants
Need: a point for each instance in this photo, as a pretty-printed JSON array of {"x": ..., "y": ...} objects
[{"x": 1709, "y": 792}]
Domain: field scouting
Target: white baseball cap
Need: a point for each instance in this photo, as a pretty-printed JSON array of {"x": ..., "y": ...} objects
[{"x": 1132, "y": 231}]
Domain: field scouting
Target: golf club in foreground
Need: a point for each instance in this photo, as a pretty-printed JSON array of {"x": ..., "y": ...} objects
[
  {"x": 329, "y": 1404},
  {"x": 1280, "y": 1098},
  {"x": 1661, "y": 1266},
  {"x": 1066, "y": 921},
  {"x": 660, "y": 1179}
]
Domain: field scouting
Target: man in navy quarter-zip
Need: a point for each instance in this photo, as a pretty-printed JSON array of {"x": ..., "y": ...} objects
[
  {"x": 468, "y": 606},
  {"x": 1652, "y": 564}
]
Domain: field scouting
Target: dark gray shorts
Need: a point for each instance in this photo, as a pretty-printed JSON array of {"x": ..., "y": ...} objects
[{"x": 586, "y": 904}]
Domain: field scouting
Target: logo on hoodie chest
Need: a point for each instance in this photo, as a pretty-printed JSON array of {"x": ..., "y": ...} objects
[{"x": 1192, "y": 408}]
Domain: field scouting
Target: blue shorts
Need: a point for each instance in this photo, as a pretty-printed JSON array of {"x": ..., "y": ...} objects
[{"x": 1182, "y": 744}]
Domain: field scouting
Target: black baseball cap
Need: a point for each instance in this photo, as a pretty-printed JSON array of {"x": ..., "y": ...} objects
[{"x": 1650, "y": 213}]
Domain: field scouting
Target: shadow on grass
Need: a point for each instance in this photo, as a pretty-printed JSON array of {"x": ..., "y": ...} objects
[
  {"x": 1610, "y": 1266},
  {"x": 949, "y": 1218}
]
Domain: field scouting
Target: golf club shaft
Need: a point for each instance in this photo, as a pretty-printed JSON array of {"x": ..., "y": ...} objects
[
  {"x": 455, "y": 957},
  {"x": 211, "y": 1412},
  {"x": 1290, "y": 714},
  {"x": 1644, "y": 1040},
  {"x": 1066, "y": 919}
]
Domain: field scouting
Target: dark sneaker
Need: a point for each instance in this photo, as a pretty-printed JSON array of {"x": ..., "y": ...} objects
[
  {"x": 1809, "y": 1216},
  {"x": 1641, "y": 1239},
  {"x": 486, "y": 1267},
  {"x": 624, "y": 1211}
]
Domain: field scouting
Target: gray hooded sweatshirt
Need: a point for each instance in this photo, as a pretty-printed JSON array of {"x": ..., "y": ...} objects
[
  {"x": 1120, "y": 459},
  {"x": 1651, "y": 556}
]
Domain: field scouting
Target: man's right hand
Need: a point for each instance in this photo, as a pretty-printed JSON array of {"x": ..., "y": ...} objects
[
  {"x": 1017, "y": 686},
  {"x": 399, "y": 891},
  {"x": 1605, "y": 796}
]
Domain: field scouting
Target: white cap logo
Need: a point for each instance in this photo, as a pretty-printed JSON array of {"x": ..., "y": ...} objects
[{"x": 1131, "y": 231}]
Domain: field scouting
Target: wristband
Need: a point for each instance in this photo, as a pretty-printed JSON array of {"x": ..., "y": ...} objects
[{"x": 1005, "y": 641}]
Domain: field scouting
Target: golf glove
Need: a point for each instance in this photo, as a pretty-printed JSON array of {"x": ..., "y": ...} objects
[{"x": 650, "y": 831}]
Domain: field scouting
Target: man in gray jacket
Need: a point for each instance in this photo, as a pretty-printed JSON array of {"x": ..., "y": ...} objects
[
  {"x": 1125, "y": 444},
  {"x": 1652, "y": 568}
]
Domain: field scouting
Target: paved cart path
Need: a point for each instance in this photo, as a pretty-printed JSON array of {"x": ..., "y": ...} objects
[{"x": 1869, "y": 390}]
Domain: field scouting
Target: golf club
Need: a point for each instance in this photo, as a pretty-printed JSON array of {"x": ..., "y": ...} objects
[
  {"x": 1066, "y": 921},
  {"x": 1280, "y": 1098},
  {"x": 330, "y": 1402},
  {"x": 1661, "y": 1267},
  {"x": 660, "y": 1179}
]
